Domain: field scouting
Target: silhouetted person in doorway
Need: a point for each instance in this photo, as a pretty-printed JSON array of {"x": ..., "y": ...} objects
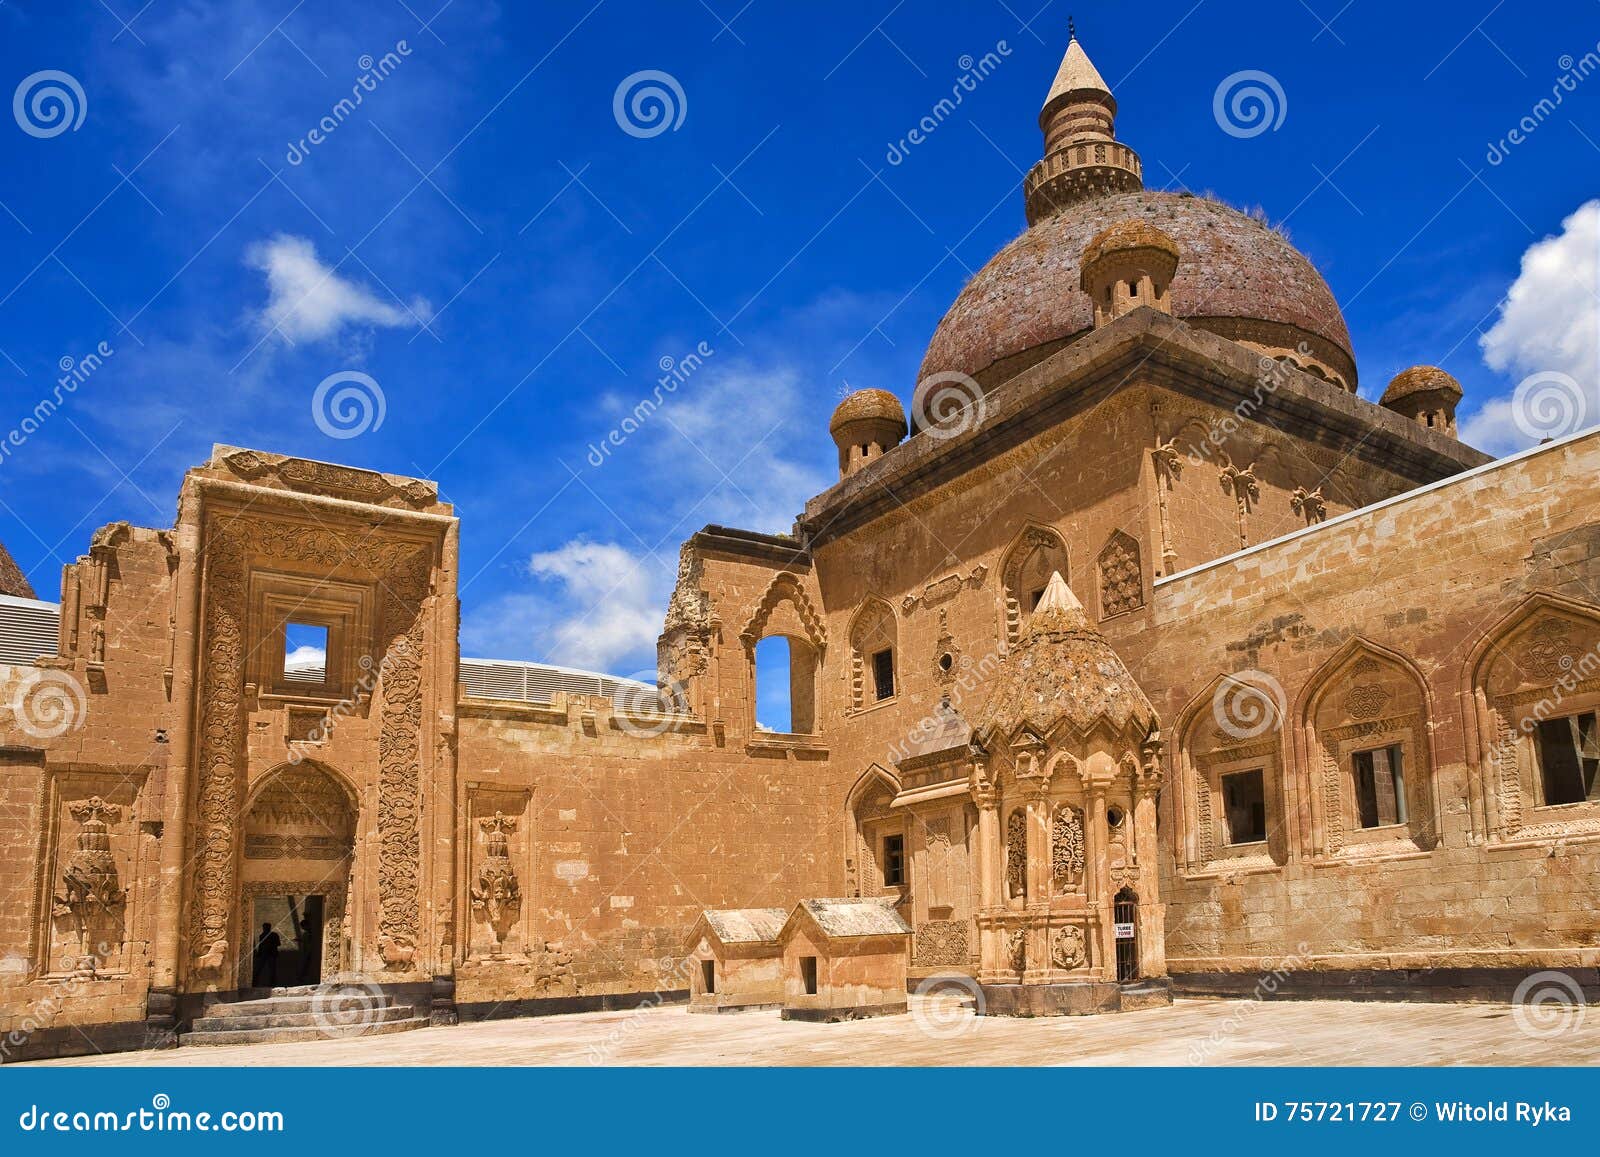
[
  {"x": 310, "y": 952},
  {"x": 266, "y": 962}
]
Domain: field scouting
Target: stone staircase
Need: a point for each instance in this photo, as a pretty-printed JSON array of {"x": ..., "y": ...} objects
[{"x": 309, "y": 1012}]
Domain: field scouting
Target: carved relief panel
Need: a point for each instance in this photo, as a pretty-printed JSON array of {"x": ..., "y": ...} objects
[{"x": 499, "y": 871}]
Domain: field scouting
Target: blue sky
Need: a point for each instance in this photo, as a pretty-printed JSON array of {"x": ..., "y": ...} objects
[{"x": 510, "y": 269}]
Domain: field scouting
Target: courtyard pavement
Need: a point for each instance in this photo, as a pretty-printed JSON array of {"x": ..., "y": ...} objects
[{"x": 940, "y": 1032}]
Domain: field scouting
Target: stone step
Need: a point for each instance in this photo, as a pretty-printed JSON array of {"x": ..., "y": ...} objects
[
  {"x": 254, "y": 1036},
  {"x": 278, "y": 1018},
  {"x": 307, "y": 1003}
]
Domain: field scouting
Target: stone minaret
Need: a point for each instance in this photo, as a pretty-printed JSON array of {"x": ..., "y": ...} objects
[{"x": 1082, "y": 156}]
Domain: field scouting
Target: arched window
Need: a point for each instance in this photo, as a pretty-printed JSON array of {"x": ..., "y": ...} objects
[
  {"x": 874, "y": 656},
  {"x": 784, "y": 641},
  {"x": 1037, "y": 553},
  {"x": 1371, "y": 767},
  {"x": 1536, "y": 692},
  {"x": 1229, "y": 775}
]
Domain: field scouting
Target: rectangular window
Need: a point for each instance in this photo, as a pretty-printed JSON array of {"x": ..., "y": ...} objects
[
  {"x": 305, "y": 654},
  {"x": 894, "y": 861},
  {"x": 1569, "y": 754},
  {"x": 1244, "y": 804},
  {"x": 808, "y": 974},
  {"x": 883, "y": 674},
  {"x": 1380, "y": 787},
  {"x": 708, "y": 976}
]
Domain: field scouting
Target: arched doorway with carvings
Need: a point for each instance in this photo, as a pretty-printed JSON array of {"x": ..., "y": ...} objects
[{"x": 299, "y": 838}]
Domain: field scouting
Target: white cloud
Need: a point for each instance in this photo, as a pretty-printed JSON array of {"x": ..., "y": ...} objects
[
  {"x": 1549, "y": 323},
  {"x": 737, "y": 441},
  {"x": 606, "y": 612},
  {"x": 310, "y": 301},
  {"x": 303, "y": 656}
]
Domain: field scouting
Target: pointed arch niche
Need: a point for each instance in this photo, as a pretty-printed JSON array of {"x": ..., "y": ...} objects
[
  {"x": 1035, "y": 554},
  {"x": 1369, "y": 757},
  {"x": 1230, "y": 805},
  {"x": 786, "y": 610},
  {"x": 1535, "y": 687},
  {"x": 874, "y": 655},
  {"x": 871, "y": 828}
]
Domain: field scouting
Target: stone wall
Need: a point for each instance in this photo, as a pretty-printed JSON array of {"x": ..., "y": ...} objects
[{"x": 1392, "y": 625}]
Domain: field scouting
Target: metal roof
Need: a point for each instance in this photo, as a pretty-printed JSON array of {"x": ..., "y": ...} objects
[{"x": 29, "y": 628}]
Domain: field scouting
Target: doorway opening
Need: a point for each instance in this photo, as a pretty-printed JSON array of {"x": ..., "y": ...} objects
[
  {"x": 286, "y": 944},
  {"x": 1125, "y": 911}
]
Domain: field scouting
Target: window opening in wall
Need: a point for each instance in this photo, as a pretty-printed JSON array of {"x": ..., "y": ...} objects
[
  {"x": 1380, "y": 787},
  {"x": 808, "y": 974},
  {"x": 883, "y": 674},
  {"x": 1569, "y": 754},
  {"x": 1244, "y": 805},
  {"x": 305, "y": 654},
  {"x": 774, "y": 685},
  {"x": 894, "y": 861}
]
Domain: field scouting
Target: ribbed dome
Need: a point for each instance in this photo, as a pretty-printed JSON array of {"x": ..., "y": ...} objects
[
  {"x": 1420, "y": 380},
  {"x": 1062, "y": 668},
  {"x": 866, "y": 405},
  {"x": 1234, "y": 269}
]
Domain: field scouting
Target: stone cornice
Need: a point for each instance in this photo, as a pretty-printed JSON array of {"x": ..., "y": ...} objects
[{"x": 1143, "y": 348}]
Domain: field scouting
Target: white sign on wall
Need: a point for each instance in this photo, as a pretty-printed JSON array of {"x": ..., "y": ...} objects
[{"x": 1124, "y": 931}]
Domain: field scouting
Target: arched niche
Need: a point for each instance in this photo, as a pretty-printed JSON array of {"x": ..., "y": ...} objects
[
  {"x": 1033, "y": 556},
  {"x": 785, "y": 609},
  {"x": 874, "y": 654},
  {"x": 1534, "y": 684},
  {"x": 1369, "y": 761},
  {"x": 869, "y": 824}
]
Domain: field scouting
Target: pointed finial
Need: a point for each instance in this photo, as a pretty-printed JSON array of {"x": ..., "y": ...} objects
[{"x": 1072, "y": 30}]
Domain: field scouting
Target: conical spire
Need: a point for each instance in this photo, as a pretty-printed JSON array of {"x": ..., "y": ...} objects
[
  {"x": 1063, "y": 670},
  {"x": 1077, "y": 72},
  {"x": 1082, "y": 156}
]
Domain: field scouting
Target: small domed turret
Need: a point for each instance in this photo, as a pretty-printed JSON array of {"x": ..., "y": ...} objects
[
  {"x": 1427, "y": 395},
  {"x": 866, "y": 425},
  {"x": 1130, "y": 264}
]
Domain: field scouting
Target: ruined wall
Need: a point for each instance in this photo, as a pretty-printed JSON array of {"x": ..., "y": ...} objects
[{"x": 1437, "y": 624}]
